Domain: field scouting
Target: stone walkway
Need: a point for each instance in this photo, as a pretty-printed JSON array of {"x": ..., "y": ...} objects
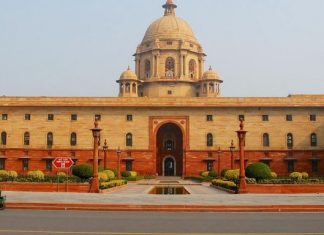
[{"x": 137, "y": 194}]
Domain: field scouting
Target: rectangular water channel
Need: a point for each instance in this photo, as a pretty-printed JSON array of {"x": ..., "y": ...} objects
[{"x": 169, "y": 190}]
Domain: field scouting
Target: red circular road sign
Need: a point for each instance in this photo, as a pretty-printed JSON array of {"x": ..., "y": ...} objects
[{"x": 63, "y": 162}]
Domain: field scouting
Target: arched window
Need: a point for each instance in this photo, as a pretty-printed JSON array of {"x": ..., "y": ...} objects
[
  {"x": 266, "y": 140},
  {"x": 134, "y": 88},
  {"x": 127, "y": 88},
  {"x": 192, "y": 68},
  {"x": 50, "y": 139},
  {"x": 73, "y": 139},
  {"x": 169, "y": 67},
  {"x": 210, "y": 140},
  {"x": 313, "y": 139},
  {"x": 147, "y": 69},
  {"x": 4, "y": 138},
  {"x": 26, "y": 138},
  {"x": 129, "y": 139},
  {"x": 290, "y": 141}
]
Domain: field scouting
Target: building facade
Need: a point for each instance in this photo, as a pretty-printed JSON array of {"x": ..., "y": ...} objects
[{"x": 169, "y": 118}]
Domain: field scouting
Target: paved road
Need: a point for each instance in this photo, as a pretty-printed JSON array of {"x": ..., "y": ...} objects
[{"x": 122, "y": 223}]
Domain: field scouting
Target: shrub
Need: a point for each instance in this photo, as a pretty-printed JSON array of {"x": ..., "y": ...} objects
[
  {"x": 274, "y": 175},
  {"x": 126, "y": 174},
  {"x": 12, "y": 175},
  {"x": 258, "y": 171},
  {"x": 83, "y": 171},
  {"x": 296, "y": 176},
  {"x": 212, "y": 174},
  {"x": 232, "y": 175},
  {"x": 224, "y": 171},
  {"x": 112, "y": 184},
  {"x": 36, "y": 175},
  {"x": 305, "y": 175},
  {"x": 129, "y": 174},
  {"x": 204, "y": 173},
  {"x": 113, "y": 170},
  {"x": 224, "y": 184},
  {"x": 103, "y": 177},
  {"x": 3, "y": 173},
  {"x": 61, "y": 174},
  {"x": 134, "y": 178},
  {"x": 110, "y": 174}
]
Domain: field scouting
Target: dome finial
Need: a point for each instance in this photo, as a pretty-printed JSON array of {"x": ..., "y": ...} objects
[
  {"x": 169, "y": 7},
  {"x": 210, "y": 68}
]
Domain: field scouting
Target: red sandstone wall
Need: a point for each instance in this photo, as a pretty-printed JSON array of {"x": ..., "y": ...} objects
[
  {"x": 145, "y": 163},
  {"x": 44, "y": 187},
  {"x": 285, "y": 188}
]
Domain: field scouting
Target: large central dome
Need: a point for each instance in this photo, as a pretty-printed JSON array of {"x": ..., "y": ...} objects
[{"x": 169, "y": 27}]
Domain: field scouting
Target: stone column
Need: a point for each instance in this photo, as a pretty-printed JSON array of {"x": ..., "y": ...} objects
[{"x": 241, "y": 136}]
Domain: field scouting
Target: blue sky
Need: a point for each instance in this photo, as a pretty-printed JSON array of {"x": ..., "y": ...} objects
[{"x": 80, "y": 47}]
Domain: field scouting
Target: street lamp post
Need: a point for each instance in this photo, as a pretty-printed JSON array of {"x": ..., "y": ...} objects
[
  {"x": 95, "y": 180},
  {"x": 218, "y": 160},
  {"x": 118, "y": 159},
  {"x": 241, "y": 136},
  {"x": 105, "y": 149},
  {"x": 232, "y": 148}
]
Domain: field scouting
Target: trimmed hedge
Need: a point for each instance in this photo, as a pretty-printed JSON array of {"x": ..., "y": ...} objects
[
  {"x": 113, "y": 170},
  {"x": 129, "y": 174},
  {"x": 204, "y": 173},
  {"x": 296, "y": 176},
  {"x": 36, "y": 175},
  {"x": 133, "y": 178},
  {"x": 110, "y": 174},
  {"x": 258, "y": 171},
  {"x": 102, "y": 177},
  {"x": 113, "y": 183},
  {"x": 232, "y": 175},
  {"x": 225, "y": 184},
  {"x": 224, "y": 171},
  {"x": 83, "y": 171}
]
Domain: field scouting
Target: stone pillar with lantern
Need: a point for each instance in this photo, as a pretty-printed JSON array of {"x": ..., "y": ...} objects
[
  {"x": 241, "y": 136},
  {"x": 94, "y": 187},
  {"x": 105, "y": 150},
  {"x": 232, "y": 148},
  {"x": 118, "y": 162}
]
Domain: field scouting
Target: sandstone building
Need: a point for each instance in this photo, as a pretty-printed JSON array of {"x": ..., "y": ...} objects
[{"x": 169, "y": 118}]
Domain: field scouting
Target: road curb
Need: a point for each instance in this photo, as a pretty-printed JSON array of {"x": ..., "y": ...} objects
[{"x": 167, "y": 208}]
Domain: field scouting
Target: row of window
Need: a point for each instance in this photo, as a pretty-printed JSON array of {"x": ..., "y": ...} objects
[
  {"x": 129, "y": 117},
  {"x": 265, "y": 118},
  {"x": 129, "y": 139},
  {"x": 50, "y": 139},
  {"x": 266, "y": 140},
  {"x": 74, "y": 117}
]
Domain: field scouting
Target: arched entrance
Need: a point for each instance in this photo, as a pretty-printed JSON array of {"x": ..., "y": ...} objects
[
  {"x": 169, "y": 166},
  {"x": 169, "y": 150}
]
